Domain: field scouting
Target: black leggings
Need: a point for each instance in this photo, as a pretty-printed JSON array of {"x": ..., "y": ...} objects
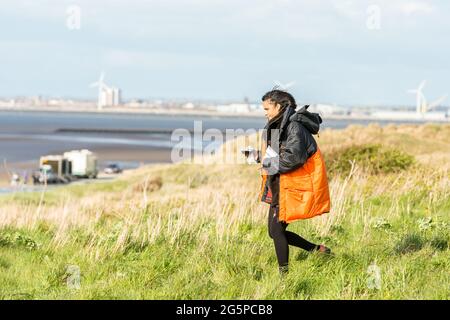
[{"x": 283, "y": 238}]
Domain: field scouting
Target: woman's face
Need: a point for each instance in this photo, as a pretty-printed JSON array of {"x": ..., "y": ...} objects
[{"x": 271, "y": 109}]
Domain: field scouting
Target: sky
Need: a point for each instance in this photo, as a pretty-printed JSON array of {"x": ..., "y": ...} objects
[{"x": 336, "y": 51}]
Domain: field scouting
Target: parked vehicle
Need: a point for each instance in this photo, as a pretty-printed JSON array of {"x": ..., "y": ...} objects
[
  {"x": 60, "y": 165},
  {"x": 45, "y": 175},
  {"x": 84, "y": 163},
  {"x": 112, "y": 169}
]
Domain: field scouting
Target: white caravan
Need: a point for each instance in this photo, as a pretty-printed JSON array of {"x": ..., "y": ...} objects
[{"x": 84, "y": 163}]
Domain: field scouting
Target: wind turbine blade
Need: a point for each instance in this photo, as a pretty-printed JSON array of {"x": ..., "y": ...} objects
[
  {"x": 278, "y": 84},
  {"x": 94, "y": 84},
  {"x": 422, "y": 85},
  {"x": 102, "y": 77},
  {"x": 437, "y": 102},
  {"x": 282, "y": 86},
  {"x": 290, "y": 84}
]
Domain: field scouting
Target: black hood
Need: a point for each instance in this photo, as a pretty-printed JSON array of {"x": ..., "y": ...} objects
[{"x": 309, "y": 120}]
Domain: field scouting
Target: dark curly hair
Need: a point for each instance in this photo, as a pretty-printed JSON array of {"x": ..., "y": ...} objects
[{"x": 285, "y": 99}]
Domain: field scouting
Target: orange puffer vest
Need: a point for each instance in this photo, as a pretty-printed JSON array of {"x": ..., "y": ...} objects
[{"x": 304, "y": 192}]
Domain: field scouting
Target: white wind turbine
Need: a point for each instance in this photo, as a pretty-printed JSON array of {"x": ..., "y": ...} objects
[
  {"x": 421, "y": 102},
  {"x": 101, "y": 86},
  {"x": 420, "y": 98},
  {"x": 282, "y": 86}
]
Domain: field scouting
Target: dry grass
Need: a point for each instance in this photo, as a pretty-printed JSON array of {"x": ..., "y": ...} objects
[
  {"x": 210, "y": 203},
  {"x": 229, "y": 198}
]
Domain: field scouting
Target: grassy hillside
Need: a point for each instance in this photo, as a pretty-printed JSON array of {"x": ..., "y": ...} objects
[{"x": 197, "y": 231}]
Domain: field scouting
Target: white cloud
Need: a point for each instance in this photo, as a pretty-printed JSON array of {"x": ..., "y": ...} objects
[
  {"x": 416, "y": 7},
  {"x": 349, "y": 8},
  {"x": 158, "y": 60},
  {"x": 146, "y": 19}
]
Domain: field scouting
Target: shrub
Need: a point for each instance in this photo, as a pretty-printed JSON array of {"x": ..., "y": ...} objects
[
  {"x": 372, "y": 158},
  {"x": 148, "y": 185},
  {"x": 439, "y": 242},
  {"x": 409, "y": 243},
  {"x": 17, "y": 240}
]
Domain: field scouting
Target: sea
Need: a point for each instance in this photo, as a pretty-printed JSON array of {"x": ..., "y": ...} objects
[{"x": 25, "y": 136}]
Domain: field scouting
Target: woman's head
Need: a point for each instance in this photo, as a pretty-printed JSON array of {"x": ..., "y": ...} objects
[{"x": 276, "y": 101}]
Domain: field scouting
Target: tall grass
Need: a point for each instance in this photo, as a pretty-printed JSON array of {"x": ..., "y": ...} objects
[{"x": 198, "y": 231}]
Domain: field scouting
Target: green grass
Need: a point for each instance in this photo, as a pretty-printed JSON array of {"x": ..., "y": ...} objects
[
  {"x": 413, "y": 261},
  {"x": 203, "y": 235},
  {"x": 411, "y": 268}
]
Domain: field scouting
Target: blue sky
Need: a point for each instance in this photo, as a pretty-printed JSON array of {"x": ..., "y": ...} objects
[{"x": 207, "y": 49}]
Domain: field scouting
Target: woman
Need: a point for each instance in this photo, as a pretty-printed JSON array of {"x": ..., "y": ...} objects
[{"x": 294, "y": 181}]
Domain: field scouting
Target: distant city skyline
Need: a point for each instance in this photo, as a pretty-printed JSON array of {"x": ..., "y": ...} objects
[{"x": 344, "y": 52}]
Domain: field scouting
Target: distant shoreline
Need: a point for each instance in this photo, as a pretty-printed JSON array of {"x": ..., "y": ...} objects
[
  {"x": 202, "y": 113},
  {"x": 128, "y": 111}
]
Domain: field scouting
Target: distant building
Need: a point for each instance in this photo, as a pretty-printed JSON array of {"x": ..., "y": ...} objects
[
  {"x": 188, "y": 105},
  {"x": 109, "y": 96},
  {"x": 55, "y": 102},
  {"x": 234, "y": 108},
  {"x": 116, "y": 96},
  {"x": 328, "y": 109},
  {"x": 256, "y": 108},
  {"x": 7, "y": 103},
  {"x": 135, "y": 103},
  {"x": 410, "y": 115},
  {"x": 36, "y": 101}
]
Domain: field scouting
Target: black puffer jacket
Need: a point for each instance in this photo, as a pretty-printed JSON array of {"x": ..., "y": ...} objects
[{"x": 293, "y": 142}]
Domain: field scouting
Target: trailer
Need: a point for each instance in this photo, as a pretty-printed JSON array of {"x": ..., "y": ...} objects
[
  {"x": 60, "y": 166},
  {"x": 83, "y": 163}
]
